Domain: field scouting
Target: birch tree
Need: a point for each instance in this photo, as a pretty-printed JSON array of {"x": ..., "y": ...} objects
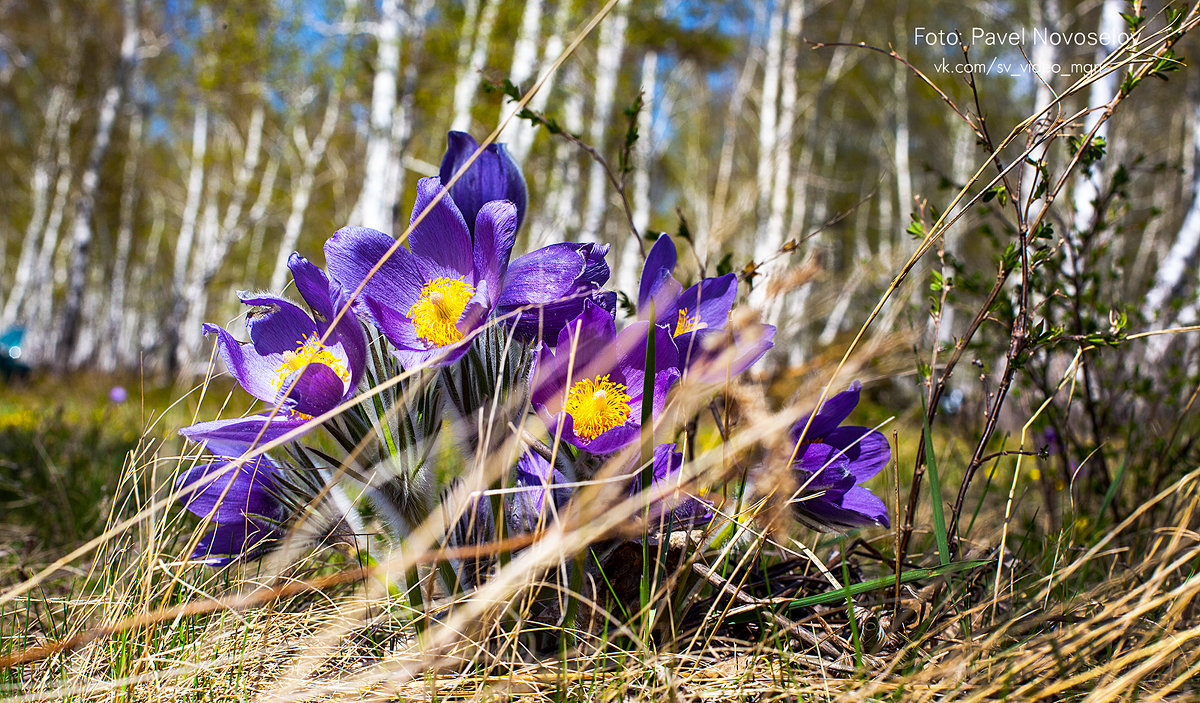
[
  {"x": 85, "y": 202},
  {"x": 768, "y": 138},
  {"x": 608, "y": 60},
  {"x": 466, "y": 83},
  {"x": 377, "y": 200}
]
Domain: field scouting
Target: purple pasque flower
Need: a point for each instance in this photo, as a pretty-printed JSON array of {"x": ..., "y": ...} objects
[
  {"x": 547, "y": 288},
  {"x": 231, "y": 437},
  {"x": 678, "y": 509},
  {"x": 241, "y": 501},
  {"x": 535, "y": 479},
  {"x": 429, "y": 298},
  {"x": 590, "y": 386},
  {"x": 493, "y": 176},
  {"x": 286, "y": 360},
  {"x": 697, "y": 317},
  {"x": 832, "y": 461}
]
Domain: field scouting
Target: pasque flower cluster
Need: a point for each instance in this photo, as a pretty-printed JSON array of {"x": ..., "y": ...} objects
[{"x": 448, "y": 324}]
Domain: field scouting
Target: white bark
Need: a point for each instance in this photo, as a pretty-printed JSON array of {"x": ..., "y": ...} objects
[
  {"x": 191, "y": 207},
  {"x": 467, "y": 82},
  {"x": 768, "y": 138},
  {"x": 377, "y": 200},
  {"x": 311, "y": 155},
  {"x": 216, "y": 239},
  {"x": 111, "y": 350},
  {"x": 1099, "y": 93},
  {"x": 608, "y": 64},
  {"x": 643, "y": 156},
  {"x": 258, "y": 220},
  {"x": 54, "y": 131},
  {"x": 37, "y": 305},
  {"x": 85, "y": 201},
  {"x": 962, "y": 168},
  {"x": 729, "y": 133},
  {"x": 525, "y": 65},
  {"x": 1045, "y": 15},
  {"x": 1174, "y": 268},
  {"x": 566, "y": 208},
  {"x": 781, "y": 171}
]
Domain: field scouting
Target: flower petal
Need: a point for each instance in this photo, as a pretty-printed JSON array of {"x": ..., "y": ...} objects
[
  {"x": 232, "y": 437},
  {"x": 353, "y": 252},
  {"x": 493, "y": 176},
  {"x": 831, "y": 414},
  {"x": 280, "y": 328},
  {"x": 255, "y": 373},
  {"x": 442, "y": 236},
  {"x": 660, "y": 263},
  {"x": 228, "y": 493},
  {"x": 314, "y": 390},
  {"x": 495, "y": 233},
  {"x": 313, "y": 286}
]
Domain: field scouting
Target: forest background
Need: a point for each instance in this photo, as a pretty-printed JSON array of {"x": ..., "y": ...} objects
[{"x": 158, "y": 156}]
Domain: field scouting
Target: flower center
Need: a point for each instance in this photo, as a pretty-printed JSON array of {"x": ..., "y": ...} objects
[
  {"x": 596, "y": 406},
  {"x": 435, "y": 315},
  {"x": 309, "y": 351},
  {"x": 688, "y": 324}
]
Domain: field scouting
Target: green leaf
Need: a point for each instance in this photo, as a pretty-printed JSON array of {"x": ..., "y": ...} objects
[{"x": 886, "y": 582}]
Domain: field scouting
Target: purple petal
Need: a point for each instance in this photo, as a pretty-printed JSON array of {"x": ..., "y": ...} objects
[
  {"x": 867, "y": 449},
  {"x": 317, "y": 390},
  {"x": 350, "y": 335},
  {"x": 232, "y": 542},
  {"x": 281, "y": 328},
  {"x": 527, "y": 507},
  {"x": 495, "y": 233},
  {"x": 831, "y": 414},
  {"x": 232, "y": 437},
  {"x": 709, "y": 300},
  {"x": 543, "y": 276},
  {"x": 255, "y": 373},
  {"x": 313, "y": 286},
  {"x": 703, "y": 352},
  {"x": 351, "y": 254},
  {"x": 856, "y": 508},
  {"x": 228, "y": 494},
  {"x": 493, "y": 176},
  {"x": 660, "y": 263},
  {"x": 442, "y": 236}
]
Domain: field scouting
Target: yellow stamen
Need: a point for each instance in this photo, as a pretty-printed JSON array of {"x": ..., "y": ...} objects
[
  {"x": 435, "y": 315},
  {"x": 309, "y": 351},
  {"x": 688, "y": 324},
  {"x": 596, "y": 406}
]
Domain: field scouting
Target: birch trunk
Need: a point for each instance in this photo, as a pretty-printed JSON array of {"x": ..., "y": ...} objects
[
  {"x": 110, "y": 351},
  {"x": 402, "y": 124},
  {"x": 1099, "y": 94},
  {"x": 467, "y": 82},
  {"x": 377, "y": 201},
  {"x": 525, "y": 65},
  {"x": 1045, "y": 14},
  {"x": 187, "y": 235},
  {"x": 55, "y": 131},
  {"x": 608, "y": 63},
  {"x": 311, "y": 155},
  {"x": 217, "y": 239},
  {"x": 85, "y": 202},
  {"x": 566, "y": 195},
  {"x": 643, "y": 158},
  {"x": 36, "y": 307},
  {"x": 781, "y": 177},
  {"x": 1179, "y": 260},
  {"x": 718, "y": 226},
  {"x": 768, "y": 138}
]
